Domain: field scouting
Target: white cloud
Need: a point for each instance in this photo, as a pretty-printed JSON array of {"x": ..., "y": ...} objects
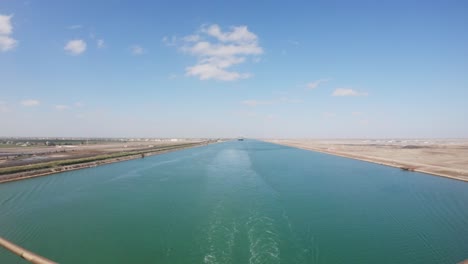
[
  {"x": 75, "y": 47},
  {"x": 206, "y": 49},
  {"x": 5, "y": 25},
  {"x": 79, "y": 104},
  {"x": 62, "y": 107},
  {"x": 137, "y": 50},
  {"x": 101, "y": 44},
  {"x": 315, "y": 84},
  {"x": 30, "y": 102},
  {"x": 347, "y": 92},
  {"x": 7, "y": 43},
  {"x": 217, "y": 51},
  {"x": 240, "y": 34},
  {"x": 6, "y": 29},
  {"x": 213, "y": 69}
]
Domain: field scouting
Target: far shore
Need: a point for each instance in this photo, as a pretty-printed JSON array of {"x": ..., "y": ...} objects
[
  {"x": 445, "y": 158},
  {"x": 33, "y": 173}
]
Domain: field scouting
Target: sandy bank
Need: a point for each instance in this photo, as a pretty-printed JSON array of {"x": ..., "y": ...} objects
[{"x": 446, "y": 158}]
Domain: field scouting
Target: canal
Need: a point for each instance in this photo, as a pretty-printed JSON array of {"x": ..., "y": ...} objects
[{"x": 238, "y": 202}]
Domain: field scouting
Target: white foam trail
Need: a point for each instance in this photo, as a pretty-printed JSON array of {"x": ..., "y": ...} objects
[
  {"x": 221, "y": 237},
  {"x": 263, "y": 240},
  {"x": 137, "y": 172}
]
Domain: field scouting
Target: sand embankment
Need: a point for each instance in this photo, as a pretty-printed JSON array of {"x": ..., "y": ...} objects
[
  {"x": 443, "y": 157},
  {"x": 47, "y": 171}
]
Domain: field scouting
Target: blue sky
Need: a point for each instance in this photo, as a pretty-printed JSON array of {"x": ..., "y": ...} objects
[{"x": 309, "y": 69}]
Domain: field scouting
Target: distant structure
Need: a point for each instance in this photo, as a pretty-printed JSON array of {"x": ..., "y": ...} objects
[{"x": 240, "y": 139}]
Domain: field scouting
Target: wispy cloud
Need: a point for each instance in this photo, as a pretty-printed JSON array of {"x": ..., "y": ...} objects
[
  {"x": 7, "y": 43},
  {"x": 62, "y": 107},
  {"x": 288, "y": 100},
  {"x": 30, "y": 102},
  {"x": 315, "y": 84},
  {"x": 4, "y": 107},
  {"x": 282, "y": 100},
  {"x": 172, "y": 41},
  {"x": 137, "y": 50},
  {"x": 328, "y": 114},
  {"x": 75, "y": 47},
  {"x": 6, "y": 29},
  {"x": 256, "y": 102},
  {"x": 294, "y": 42},
  {"x": 75, "y": 27},
  {"x": 347, "y": 92},
  {"x": 100, "y": 43},
  {"x": 217, "y": 51},
  {"x": 79, "y": 104}
]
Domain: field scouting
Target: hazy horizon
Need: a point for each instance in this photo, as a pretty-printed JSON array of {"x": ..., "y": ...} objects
[{"x": 299, "y": 69}]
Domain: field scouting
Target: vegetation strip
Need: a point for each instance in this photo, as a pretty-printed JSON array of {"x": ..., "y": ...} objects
[{"x": 41, "y": 169}]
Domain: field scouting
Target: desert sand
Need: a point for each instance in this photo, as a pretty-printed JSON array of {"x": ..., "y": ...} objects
[{"x": 441, "y": 157}]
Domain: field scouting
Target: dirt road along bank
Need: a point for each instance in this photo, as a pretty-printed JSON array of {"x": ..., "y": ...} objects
[{"x": 51, "y": 166}]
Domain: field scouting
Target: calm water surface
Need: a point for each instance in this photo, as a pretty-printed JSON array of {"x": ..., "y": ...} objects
[{"x": 238, "y": 202}]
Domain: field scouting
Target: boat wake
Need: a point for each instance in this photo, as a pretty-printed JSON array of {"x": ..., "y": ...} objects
[
  {"x": 220, "y": 237},
  {"x": 263, "y": 240}
]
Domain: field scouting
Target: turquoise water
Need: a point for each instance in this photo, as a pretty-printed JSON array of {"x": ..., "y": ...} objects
[{"x": 238, "y": 202}]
